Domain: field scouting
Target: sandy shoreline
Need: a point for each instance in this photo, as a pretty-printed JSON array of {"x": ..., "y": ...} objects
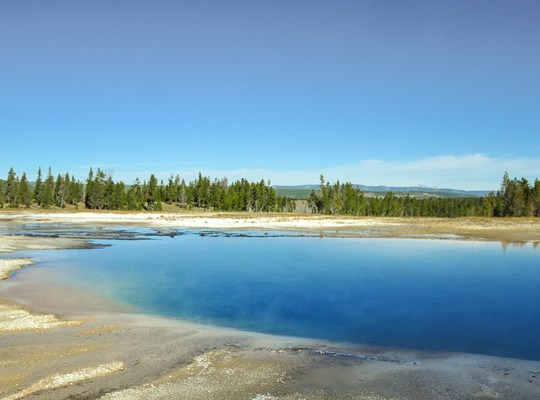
[
  {"x": 497, "y": 229},
  {"x": 57, "y": 352},
  {"x": 8, "y": 266}
]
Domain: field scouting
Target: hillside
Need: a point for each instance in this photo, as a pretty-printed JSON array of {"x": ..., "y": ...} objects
[{"x": 303, "y": 191}]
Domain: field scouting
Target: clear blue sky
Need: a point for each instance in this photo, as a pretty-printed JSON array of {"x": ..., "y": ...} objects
[{"x": 438, "y": 93}]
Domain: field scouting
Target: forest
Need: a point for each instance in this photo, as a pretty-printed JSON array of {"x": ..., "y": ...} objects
[
  {"x": 515, "y": 198},
  {"x": 101, "y": 192}
]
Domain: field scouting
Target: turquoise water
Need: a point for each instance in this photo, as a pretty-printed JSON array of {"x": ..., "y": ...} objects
[{"x": 423, "y": 294}]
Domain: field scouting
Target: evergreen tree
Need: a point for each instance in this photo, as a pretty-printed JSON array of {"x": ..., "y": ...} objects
[
  {"x": 176, "y": 195},
  {"x": 67, "y": 191},
  {"x": 201, "y": 191},
  {"x": 47, "y": 194},
  {"x": 314, "y": 203},
  {"x": 25, "y": 197},
  {"x": 134, "y": 197},
  {"x": 2, "y": 194},
  {"x": 12, "y": 189},
  {"x": 108, "y": 200},
  {"x": 100, "y": 189},
  {"x": 516, "y": 200},
  {"x": 75, "y": 191},
  {"x": 95, "y": 196},
  {"x": 515, "y": 197},
  {"x": 182, "y": 194},
  {"x": 536, "y": 197},
  {"x": 169, "y": 195},
  {"x": 325, "y": 196},
  {"x": 152, "y": 194},
  {"x": 89, "y": 195},
  {"x": 38, "y": 188},
  {"x": 60, "y": 192},
  {"x": 489, "y": 205},
  {"x": 504, "y": 195},
  {"x": 120, "y": 196}
]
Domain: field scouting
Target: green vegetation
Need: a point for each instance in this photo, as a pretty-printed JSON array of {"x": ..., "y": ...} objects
[
  {"x": 516, "y": 198},
  {"x": 302, "y": 192},
  {"x": 101, "y": 192}
]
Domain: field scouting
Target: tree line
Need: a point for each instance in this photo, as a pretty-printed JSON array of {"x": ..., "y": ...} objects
[
  {"x": 101, "y": 192},
  {"x": 16, "y": 192},
  {"x": 515, "y": 198}
]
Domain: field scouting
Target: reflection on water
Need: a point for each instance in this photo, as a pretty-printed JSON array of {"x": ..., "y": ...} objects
[
  {"x": 427, "y": 294},
  {"x": 505, "y": 244}
]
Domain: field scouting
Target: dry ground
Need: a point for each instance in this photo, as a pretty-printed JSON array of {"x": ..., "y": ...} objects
[{"x": 55, "y": 350}]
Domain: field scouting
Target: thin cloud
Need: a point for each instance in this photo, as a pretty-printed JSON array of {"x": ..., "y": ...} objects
[
  {"x": 466, "y": 171},
  {"x": 448, "y": 163}
]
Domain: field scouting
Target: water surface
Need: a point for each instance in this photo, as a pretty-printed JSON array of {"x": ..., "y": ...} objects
[{"x": 423, "y": 294}]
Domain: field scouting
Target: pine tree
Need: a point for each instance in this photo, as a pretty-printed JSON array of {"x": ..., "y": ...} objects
[
  {"x": 516, "y": 199},
  {"x": 201, "y": 191},
  {"x": 177, "y": 189},
  {"x": 25, "y": 197},
  {"x": 47, "y": 195},
  {"x": 314, "y": 202},
  {"x": 489, "y": 205},
  {"x": 96, "y": 187},
  {"x": 60, "y": 192},
  {"x": 107, "y": 200},
  {"x": 134, "y": 198},
  {"x": 12, "y": 189},
  {"x": 100, "y": 189},
  {"x": 535, "y": 195},
  {"x": 170, "y": 191},
  {"x": 89, "y": 195},
  {"x": 120, "y": 197},
  {"x": 38, "y": 188},
  {"x": 152, "y": 196},
  {"x": 76, "y": 190},
  {"x": 182, "y": 194},
  {"x": 2, "y": 194},
  {"x": 67, "y": 192},
  {"x": 504, "y": 196}
]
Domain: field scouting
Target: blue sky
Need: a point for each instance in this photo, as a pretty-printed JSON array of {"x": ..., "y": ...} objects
[{"x": 437, "y": 93}]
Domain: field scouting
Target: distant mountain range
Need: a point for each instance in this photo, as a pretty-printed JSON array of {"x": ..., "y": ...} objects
[{"x": 302, "y": 191}]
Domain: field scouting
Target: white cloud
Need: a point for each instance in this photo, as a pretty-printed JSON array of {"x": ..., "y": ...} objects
[
  {"x": 447, "y": 163},
  {"x": 466, "y": 171}
]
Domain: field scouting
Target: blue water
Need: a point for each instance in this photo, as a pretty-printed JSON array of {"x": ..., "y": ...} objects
[{"x": 423, "y": 294}]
